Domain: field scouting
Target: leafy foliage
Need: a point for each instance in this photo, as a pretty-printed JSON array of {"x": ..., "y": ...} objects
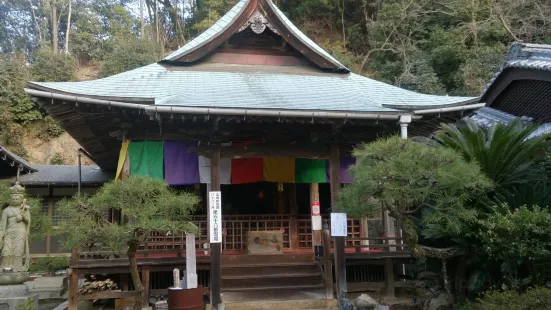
[
  {"x": 149, "y": 204},
  {"x": 533, "y": 298},
  {"x": 507, "y": 154},
  {"x": 518, "y": 240},
  {"x": 49, "y": 67},
  {"x": 412, "y": 179},
  {"x": 49, "y": 264},
  {"x": 129, "y": 54},
  {"x": 57, "y": 159}
]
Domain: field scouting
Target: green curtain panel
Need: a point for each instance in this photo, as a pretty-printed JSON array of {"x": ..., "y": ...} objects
[
  {"x": 310, "y": 171},
  {"x": 146, "y": 158}
]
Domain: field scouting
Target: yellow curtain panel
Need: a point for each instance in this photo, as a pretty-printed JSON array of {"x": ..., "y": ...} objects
[
  {"x": 279, "y": 169},
  {"x": 122, "y": 159}
]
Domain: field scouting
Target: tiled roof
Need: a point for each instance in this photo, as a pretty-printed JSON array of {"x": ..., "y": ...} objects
[
  {"x": 303, "y": 37},
  {"x": 7, "y": 155},
  {"x": 228, "y": 19},
  {"x": 65, "y": 175},
  {"x": 248, "y": 87},
  {"x": 525, "y": 56},
  {"x": 487, "y": 117},
  {"x": 210, "y": 33}
]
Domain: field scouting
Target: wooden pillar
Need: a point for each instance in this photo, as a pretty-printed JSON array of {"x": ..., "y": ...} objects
[
  {"x": 49, "y": 236},
  {"x": 390, "y": 230},
  {"x": 340, "y": 264},
  {"x": 216, "y": 248},
  {"x": 389, "y": 277},
  {"x": 364, "y": 232},
  {"x": 293, "y": 214},
  {"x": 145, "y": 284},
  {"x": 328, "y": 264},
  {"x": 73, "y": 281},
  {"x": 315, "y": 197}
]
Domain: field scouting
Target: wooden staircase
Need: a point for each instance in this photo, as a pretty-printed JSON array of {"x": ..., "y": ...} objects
[{"x": 271, "y": 277}]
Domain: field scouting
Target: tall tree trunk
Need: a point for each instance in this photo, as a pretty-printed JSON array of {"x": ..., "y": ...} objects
[
  {"x": 35, "y": 22},
  {"x": 68, "y": 28},
  {"x": 55, "y": 32},
  {"x": 141, "y": 20},
  {"x": 135, "y": 274}
]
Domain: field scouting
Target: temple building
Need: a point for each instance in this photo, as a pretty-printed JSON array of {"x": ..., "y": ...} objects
[{"x": 256, "y": 109}]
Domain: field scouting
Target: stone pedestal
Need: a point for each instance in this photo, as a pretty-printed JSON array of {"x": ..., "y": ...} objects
[{"x": 12, "y": 296}]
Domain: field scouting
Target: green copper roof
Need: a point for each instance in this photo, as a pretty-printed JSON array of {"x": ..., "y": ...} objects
[{"x": 248, "y": 87}]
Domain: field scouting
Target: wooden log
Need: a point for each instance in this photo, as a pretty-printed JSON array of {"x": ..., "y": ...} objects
[
  {"x": 335, "y": 183},
  {"x": 293, "y": 215},
  {"x": 216, "y": 248}
]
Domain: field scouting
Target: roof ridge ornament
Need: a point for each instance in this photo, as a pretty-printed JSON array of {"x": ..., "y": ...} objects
[{"x": 258, "y": 23}]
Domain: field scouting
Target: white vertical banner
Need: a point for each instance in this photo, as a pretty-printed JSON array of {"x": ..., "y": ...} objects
[
  {"x": 339, "y": 227},
  {"x": 215, "y": 216}
]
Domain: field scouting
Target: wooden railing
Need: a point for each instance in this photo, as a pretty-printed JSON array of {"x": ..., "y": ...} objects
[
  {"x": 235, "y": 228},
  {"x": 386, "y": 244}
]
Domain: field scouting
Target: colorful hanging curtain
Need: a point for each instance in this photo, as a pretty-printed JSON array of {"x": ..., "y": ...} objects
[
  {"x": 204, "y": 170},
  {"x": 345, "y": 164},
  {"x": 181, "y": 166},
  {"x": 122, "y": 159},
  {"x": 279, "y": 169},
  {"x": 246, "y": 170},
  {"x": 310, "y": 170},
  {"x": 146, "y": 158}
]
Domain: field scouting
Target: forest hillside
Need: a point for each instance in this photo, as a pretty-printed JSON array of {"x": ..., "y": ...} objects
[{"x": 439, "y": 47}]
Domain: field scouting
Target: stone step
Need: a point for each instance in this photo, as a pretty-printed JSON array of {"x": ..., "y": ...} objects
[{"x": 288, "y": 304}]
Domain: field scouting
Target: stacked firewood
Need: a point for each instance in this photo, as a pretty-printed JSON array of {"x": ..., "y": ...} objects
[{"x": 97, "y": 286}]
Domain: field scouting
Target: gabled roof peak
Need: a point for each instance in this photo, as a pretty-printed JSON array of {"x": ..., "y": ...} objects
[{"x": 256, "y": 15}]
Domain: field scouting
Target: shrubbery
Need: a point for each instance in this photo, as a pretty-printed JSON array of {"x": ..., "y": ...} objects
[
  {"x": 533, "y": 299},
  {"x": 49, "y": 264}
]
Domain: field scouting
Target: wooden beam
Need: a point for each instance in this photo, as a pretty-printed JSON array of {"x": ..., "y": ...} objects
[
  {"x": 268, "y": 150},
  {"x": 216, "y": 248},
  {"x": 335, "y": 182}
]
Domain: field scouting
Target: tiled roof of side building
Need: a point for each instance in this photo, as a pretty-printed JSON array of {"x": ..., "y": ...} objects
[
  {"x": 524, "y": 56},
  {"x": 253, "y": 89},
  {"x": 66, "y": 175}
]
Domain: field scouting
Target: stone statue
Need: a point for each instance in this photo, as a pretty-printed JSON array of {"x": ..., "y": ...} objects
[
  {"x": 14, "y": 252},
  {"x": 14, "y": 236}
]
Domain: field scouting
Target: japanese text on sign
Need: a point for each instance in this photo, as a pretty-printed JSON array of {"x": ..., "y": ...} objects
[
  {"x": 338, "y": 225},
  {"x": 215, "y": 217}
]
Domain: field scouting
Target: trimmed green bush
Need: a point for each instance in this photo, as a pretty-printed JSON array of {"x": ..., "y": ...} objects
[{"x": 538, "y": 298}]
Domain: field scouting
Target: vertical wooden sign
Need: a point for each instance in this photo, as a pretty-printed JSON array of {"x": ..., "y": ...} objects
[{"x": 215, "y": 216}]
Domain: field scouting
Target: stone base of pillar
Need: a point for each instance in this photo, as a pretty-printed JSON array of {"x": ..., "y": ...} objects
[{"x": 14, "y": 296}]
